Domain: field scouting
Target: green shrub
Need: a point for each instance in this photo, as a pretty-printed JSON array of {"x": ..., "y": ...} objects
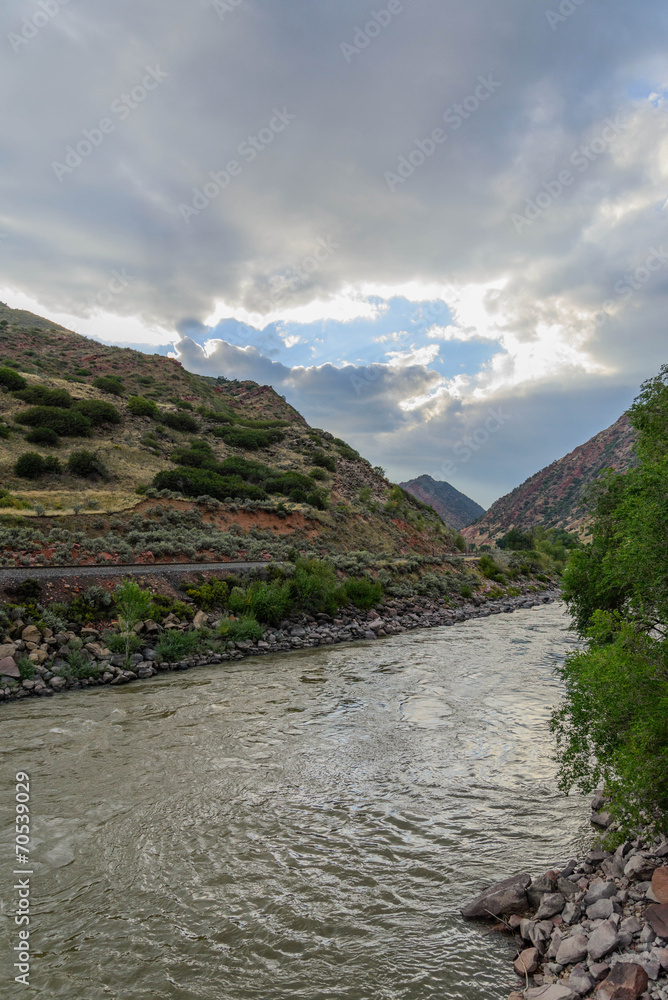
[
  {"x": 82, "y": 371},
  {"x": 32, "y": 465},
  {"x": 177, "y": 645},
  {"x": 28, "y": 590},
  {"x": 266, "y": 602},
  {"x": 345, "y": 451},
  {"x": 248, "y": 438},
  {"x": 79, "y": 666},
  {"x": 117, "y": 642},
  {"x": 109, "y": 383},
  {"x": 212, "y": 594},
  {"x": 86, "y": 464},
  {"x": 315, "y": 586},
  {"x": 203, "y": 482},
  {"x": 91, "y": 606},
  {"x": 466, "y": 592},
  {"x": 26, "y": 668},
  {"x": 324, "y": 461},
  {"x": 245, "y": 629},
  {"x": 40, "y": 395},
  {"x": 317, "y": 474},
  {"x": 490, "y": 569},
  {"x": 98, "y": 411},
  {"x": 460, "y": 542},
  {"x": 133, "y": 605},
  {"x": 180, "y": 422},
  {"x": 11, "y": 379},
  {"x": 67, "y": 423},
  {"x": 362, "y": 592},
  {"x": 141, "y": 407},
  {"x": 44, "y": 436},
  {"x": 195, "y": 458}
]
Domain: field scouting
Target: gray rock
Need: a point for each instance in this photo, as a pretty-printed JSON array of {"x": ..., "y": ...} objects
[
  {"x": 571, "y": 913},
  {"x": 599, "y": 969},
  {"x": 551, "y": 904},
  {"x": 567, "y": 888},
  {"x": 572, "y": 949},
  {"x": 602, "y": 941},
  {"x": 599, "y": 889},
  {"x": 539, "y": 887},
  {"x": 640, "y": 867},
  {"x": 553, "y": 991},
  {"x": 499, "y": 899},
  {"x": 580, "y": 981},
  {"x": 602, "y": 909}
]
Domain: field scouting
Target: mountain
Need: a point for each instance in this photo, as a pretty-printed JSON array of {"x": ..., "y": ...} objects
[
  {"x": 196, "y": 468},
  {"x": 455, "y": 508},
  {"x": 554, "y": 496}
]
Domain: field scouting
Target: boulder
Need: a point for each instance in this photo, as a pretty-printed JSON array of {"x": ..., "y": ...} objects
[
  {"x": 7, "y": 649},
  {"x": 527, "y": 962},
  {"x": 599, "y": 889},
  {"x": 539, "y": 887},
  {"x": 657, "y": 917},
  {"x": 567, "y": 888},
  {"x": 551, "y": 904},
  {"x": 580, "y": 981},
  {"x": 8, "y": 667},
  {"x": 602, "y": 941},
  {"x": 640, "y": 867},
  {"x": 626, "y": 981},
  {"x": 555, "y": 991},
  {"x": 572, "y": 949},
  {"x": 602, "y": 909},
  {"x": 660, "y": 884},
  {"x": 31, "y": 634},
  {"x": 200, "y": 620},
  {"x": 500, "y": 899}
]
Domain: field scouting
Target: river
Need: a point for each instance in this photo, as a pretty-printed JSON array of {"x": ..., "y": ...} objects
[{"x": 299, "y": 826}]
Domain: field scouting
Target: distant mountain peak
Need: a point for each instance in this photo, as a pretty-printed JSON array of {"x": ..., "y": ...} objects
[
  {"x": 554, "y": 496},
  {"x": 456, "y": 509}
]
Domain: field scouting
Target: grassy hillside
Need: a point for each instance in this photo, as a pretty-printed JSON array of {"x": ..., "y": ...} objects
[{"x": 291, "y": 485}]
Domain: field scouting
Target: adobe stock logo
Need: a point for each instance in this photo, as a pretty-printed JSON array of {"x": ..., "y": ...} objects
[{"x": 31, "y": 25}]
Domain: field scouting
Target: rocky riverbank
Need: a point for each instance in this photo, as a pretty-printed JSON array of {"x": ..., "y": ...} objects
[
  {"x": 48, "y": 651},
  {"x": 597, "y": 927}
]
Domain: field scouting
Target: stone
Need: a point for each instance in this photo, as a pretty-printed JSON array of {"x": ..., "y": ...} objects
[
  {"x": 567, "y": 888},
  {"x": 602, "y": 819},
  {"x": 539, "y": 887},
  {"x": 551, "y": 904},
  {"x": 7, "y": 649},
  {"x": 662, "y": 955},
  {"x": 504, "y": 898},
  {"x": 57, "y": 683},
  {"x": 200, "y": 620},
  {"x": 602, "y": 941},
  {"x": 660, "y": 884},
  {"x": 553, "y": 991},
  {"x": 8, "y": 667},
  {"x": 527, "y": 962},
  {"x": 599, "y": 970},
  {"x": 602, "y": 909},
  {"x": 631, "y": 925},
  {"x": 626, "y": 981},
  {"x": 656, "y": 916},
  {"x": 31, "y": 634},
  {"x": 572, "y": 949},
  {"x": 640, "y": 867},
  {"x": 571, "y": 913},
  {"x": 580, "y": 981},
  {"x": 599, "y": 889}
]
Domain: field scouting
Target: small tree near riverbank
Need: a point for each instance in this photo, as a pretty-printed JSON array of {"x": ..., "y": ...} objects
[{"x": 133, "y": 605}]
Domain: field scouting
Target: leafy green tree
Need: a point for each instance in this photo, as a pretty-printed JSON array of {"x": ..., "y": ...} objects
[
  {"x": 133, "y": 605},
  {"x": 613, "y": 725}
]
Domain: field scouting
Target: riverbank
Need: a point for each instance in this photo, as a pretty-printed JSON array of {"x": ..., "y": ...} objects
[
  {"x": 392, "y": 617},
  {"x": 595, "y": 927}
]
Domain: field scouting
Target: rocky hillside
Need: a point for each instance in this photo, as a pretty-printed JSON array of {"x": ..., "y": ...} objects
[
  {"x": 176, "y": 466},
  {"x": 553, "y": 497},
  {"x": 455, "y": 508}
]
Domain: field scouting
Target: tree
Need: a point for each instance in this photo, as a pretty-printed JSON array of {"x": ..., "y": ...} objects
[
  {"x": 141, "y": 407},
  {"x": 613, "y": 724},
  {"x": 133, "y": 605},
  {"x": 11, "y": 379}
]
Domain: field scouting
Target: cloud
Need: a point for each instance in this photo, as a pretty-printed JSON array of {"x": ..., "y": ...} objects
[{"x": 297, "y": 261}]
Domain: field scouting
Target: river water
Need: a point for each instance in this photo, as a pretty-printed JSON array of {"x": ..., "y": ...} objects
[{"x": 302, "y": 826}]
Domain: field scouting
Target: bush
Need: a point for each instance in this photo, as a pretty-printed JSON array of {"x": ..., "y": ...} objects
[
  {"x": 91, "y": 606},
  {"x": 176, "y": 645},
  {"x": 44, "y": 436},
  {"x": 39, "y": 395},
  {"x": 180, "y": 422},
  {"x": 212, "y": 594},
  {"x": 490, "y": 569},
  {"x": 315, "y": 586},
  {"x": 466, "y": 592},
  {"x": 118, "y": 643},
  {"x": 363, "y": 593},
  {"x": 67, "y": 423},
  {"x": 86, "y": 464},
  {"x": 98, "y": 411},
  {"x": 26, "y": 668},
  {"x": 141, "y": 407},
  {"x": 203, "y": 482},
  {"x": 324, "y": 461},
  {"x": 28, "y": 590},
  {"x": 79, "y": 666},
  {"x": 133, "y": 605},
  {"x": 319, "y": 474},
  {"x": 32, "y": 465},
  {"x": 345, "y": 451},
  {"x": 245, "y": 629},
  {"x": 109, "y": 383},
  {"x": 266, "y": 602},
  {"x": 248, "y": 438},
  {"x": 11, "y": 379}
]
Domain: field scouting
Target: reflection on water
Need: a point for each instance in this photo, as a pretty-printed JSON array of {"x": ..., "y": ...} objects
[{"x": 301, "y": 826}]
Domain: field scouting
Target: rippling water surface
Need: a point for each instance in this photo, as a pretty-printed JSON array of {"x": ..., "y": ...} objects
[{"x": 302, "y": 826}]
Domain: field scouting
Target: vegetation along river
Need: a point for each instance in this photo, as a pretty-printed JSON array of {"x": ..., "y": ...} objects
[{"x": 300, "y": 826}]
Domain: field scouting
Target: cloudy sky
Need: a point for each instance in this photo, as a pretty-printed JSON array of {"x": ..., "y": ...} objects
[{"x": 438, "y": 228}]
